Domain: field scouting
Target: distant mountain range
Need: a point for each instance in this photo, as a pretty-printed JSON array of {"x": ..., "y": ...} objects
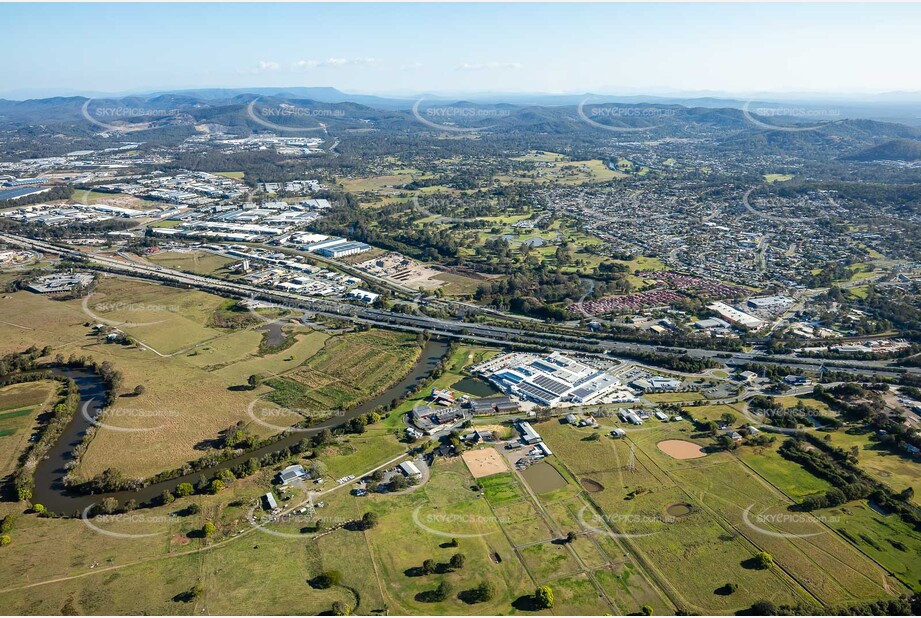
[
  {"x": 895, "y": 150},
  {"x": 901, "y": 107},
  {"x": 734, "y": 126}
]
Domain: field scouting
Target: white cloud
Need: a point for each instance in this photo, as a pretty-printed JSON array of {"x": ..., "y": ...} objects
[
  {"x": 266, "y": 66},
  {"x": 488, "y": 66},
  {"x": 335, "y": 63}
]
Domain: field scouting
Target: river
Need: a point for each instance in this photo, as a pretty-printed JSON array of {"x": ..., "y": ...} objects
[{"x": 49, "y": 474}]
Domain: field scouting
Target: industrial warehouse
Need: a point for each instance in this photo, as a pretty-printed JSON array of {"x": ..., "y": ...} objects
[{"x": 549, "y": 380}]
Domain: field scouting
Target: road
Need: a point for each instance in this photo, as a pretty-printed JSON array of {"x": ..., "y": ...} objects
[{"x": 451, "y": 328}]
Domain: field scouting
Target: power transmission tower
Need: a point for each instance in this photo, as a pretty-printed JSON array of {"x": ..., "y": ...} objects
[{"x": 631, "y": 463}]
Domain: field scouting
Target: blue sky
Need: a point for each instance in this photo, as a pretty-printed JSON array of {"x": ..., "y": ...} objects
[{"x": 452, "y": 48}]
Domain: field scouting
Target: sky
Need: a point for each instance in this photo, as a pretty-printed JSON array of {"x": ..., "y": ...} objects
[{"x": 455, "y": 48}]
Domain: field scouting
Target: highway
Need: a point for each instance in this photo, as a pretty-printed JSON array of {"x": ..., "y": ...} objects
[{"x": 484, "y": 333}]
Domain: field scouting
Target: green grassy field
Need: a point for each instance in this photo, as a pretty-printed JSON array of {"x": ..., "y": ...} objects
[
  {"x": 348, "y": 370},
  {"x": 892, "y": 468},
  {"x": 448, "y": 505},
  {"x": 790, "y": 478},
  {"x": 19, "y": 405},
  {"x": 500, "y": 489},
  {"x": 714, "y": 412},
  {"x": 885, "y": 538},
  {"x": 673, "y": 397},
  {"x": 714, "y": 540},
  {"x": 87, "y": 196},
  {"x": 772, "y": 178},
  {"x": 192, "y": 372},
  {"x": 95, "y": 573},
  {"x": 196, "y": 262}
]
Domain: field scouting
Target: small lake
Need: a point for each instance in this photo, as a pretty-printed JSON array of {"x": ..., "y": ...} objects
[
  {"x": 274, "y": 334},
  {"x": 476, "y": 387},
  {"x": 543, "y": 478}
]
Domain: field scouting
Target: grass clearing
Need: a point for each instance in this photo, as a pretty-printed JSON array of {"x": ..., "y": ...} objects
[
  {"x": 887, "y": 539},
  {"x": 577, "y": 596},
  {"x": 549, "y": 561},
  {"x": 348, "y": 370},
  {"x": 444, "y": 505},
  {"x": 20, "y": 404},
  {"x": 713, "y": 542},
  {"x": 500, "y": 489},
  {"x": 195, "y": 262},
  {"x": 891, "y": 468},
  {"x": 787, "y": 476},
  {"x": 631, "y": 591},
  {"x": 673, "y": 397}
]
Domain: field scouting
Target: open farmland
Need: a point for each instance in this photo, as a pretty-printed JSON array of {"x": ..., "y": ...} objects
[
  {"x": 447, "y": 508},
  {"x": 349, "y": 369},
  {"x": 789, "y": 477},
  {"x": 192, "y": 373},
  {"x": 196, "y": 262},
  {"x": 713, "y": 533},
  {"x": 892, "y": 468},
  {"x": 20, "y": 404}
]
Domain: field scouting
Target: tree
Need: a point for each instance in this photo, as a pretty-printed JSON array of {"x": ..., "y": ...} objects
[
  {"x": 428, "y": 566},
  {"x": 731, "y": 587},
  {"x": 6, "y": 524},
  {"x": 398, "y": 483},
  {"x": 109, "y": 505},
  {"x": 341, "y": 609},
  {"x": 543, "y": 597},
  {"x": 216, "y": 486},
  {"x": 453, "y": 543},
  {"x": 254, "y": 381},
  {"x": 835, "y": 497},
  {"x": 38, "y": 508},
  {"x": 208, "y": 529},
  {"x": 328, "y": 579},
  {"x": 486, "y": 591},
  {"x": 5, "y": 540},
  {"x": 167, "y": 497},
  {"x": 139, "y": 390},
  {"x": 184, "y": 489},
  {"x": 368, "y": 520},
  {"x": 457, "y": 561},
  {"x": 764, "y": 560},
  {"x": 726, "y": 442},
  {"x": 647, "y": 610},
  {"x": 442, "y": 592},
  {"x": 763, "y": 608},
  {"x": 324, "y": 437},
  {"x": 570, "y": 536},
  {"x": 318, "y": 468},
  {"x": 729, "y": 418},
  {"x": 194, "y": 509}
]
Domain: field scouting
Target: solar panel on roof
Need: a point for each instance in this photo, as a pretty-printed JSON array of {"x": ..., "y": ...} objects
[
  {"x": 536, "y": 391},
  {"x": 554, "y": 386}
]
